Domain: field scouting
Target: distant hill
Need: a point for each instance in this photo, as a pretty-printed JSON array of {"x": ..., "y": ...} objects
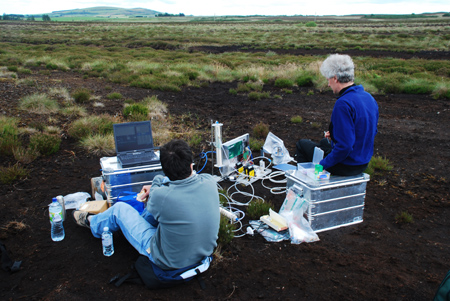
[{"x": 105, "y": 11}]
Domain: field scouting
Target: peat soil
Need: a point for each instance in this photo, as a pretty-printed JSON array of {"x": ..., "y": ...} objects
[{"x": 381, "y": 258}]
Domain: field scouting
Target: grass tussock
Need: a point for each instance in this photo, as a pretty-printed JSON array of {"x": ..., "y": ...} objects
[
  {"x": 296, "y": 119},
  {"x": 378, "y": 163},
  {"x": 25, "y": 155},
  {"x": 260, "y": 130},
  {"x": 114, "y": 95},
  {"x": 441, "y": 90},
  {"x": 8, "y": 135},
  {"x": 99, "y": 144},
  {"x": 26, "y": 82},
  {"x": 258, "y": 95},
  {"x": 10, "y": 174},
  {"x": 91, "y": 125},
  {"x": 258, "y": 208},
  {"x": 195, "y": 140},
  {"x": 45, "y": 143},
  {"x": 135, "y": 112},
  {"x": 404, "y": 218},
  {"x": 256, "y": 144},
  {"x": 39, "y": 103},
  {"x": 61, "y": 94},
  {"x": 156, "y": 108},
  {"x": 226, "y": 231},
  {"x": 74, "y": 111},
  {"x": 81, "y": 95}
]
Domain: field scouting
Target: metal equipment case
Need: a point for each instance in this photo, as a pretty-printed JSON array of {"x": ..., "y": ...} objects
[
  {"x": 333, "y": 203},
  {"x": 132, "y": 179}
]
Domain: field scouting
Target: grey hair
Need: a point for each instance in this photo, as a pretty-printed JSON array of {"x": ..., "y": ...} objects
[{"x": 339, "y": 65}]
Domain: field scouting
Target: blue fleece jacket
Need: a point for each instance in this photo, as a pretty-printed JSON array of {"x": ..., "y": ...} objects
[{"x": 353, "y": 128}]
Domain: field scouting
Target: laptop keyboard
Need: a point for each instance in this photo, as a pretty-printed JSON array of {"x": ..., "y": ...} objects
[{"x": 142, "y": 157}]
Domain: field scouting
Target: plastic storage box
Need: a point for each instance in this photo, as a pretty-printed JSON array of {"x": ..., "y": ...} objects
[
  {"x": 118, "y": 180},
  {"x": 333, "y": 203}
]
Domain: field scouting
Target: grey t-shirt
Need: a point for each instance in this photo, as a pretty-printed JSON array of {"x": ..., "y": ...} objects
[{"x": 188, "y": 214}]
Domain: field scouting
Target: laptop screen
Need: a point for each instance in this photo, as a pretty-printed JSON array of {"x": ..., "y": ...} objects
[{"x": 132, "y": 136}]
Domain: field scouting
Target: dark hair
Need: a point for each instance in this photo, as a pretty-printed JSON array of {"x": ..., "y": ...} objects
[{"x": 176, "y": 159}]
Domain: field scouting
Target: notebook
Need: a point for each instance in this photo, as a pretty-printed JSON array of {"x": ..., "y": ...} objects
[{"x": 134, "y": 144}]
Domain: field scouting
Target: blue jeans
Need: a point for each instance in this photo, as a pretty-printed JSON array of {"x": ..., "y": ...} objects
[{"x": 137, "y": 228}]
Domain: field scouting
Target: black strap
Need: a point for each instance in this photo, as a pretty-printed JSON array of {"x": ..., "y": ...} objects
[
  {"x": 132, "y": 277},
  {"x": 200, "y": 279},
  {"x": 7, "y": 264}
]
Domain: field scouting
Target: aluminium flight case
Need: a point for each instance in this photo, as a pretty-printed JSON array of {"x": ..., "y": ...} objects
[
  {"x": 118, "y": 179},
  {"x": 333, "y": 203}
]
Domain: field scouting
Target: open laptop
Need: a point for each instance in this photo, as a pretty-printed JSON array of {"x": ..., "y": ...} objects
[{"x": 134, "y": 144}]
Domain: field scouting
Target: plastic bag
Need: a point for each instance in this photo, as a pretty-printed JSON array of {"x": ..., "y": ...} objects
[
  {"x": 75, "y": 200},
  {"x": 274, "y": 145},
  {"x": 293, "y": 210},
  {"x": 129, "y": 197},
  {"x": 299, "y": 228},
  {"x": 268, "y": 233}
]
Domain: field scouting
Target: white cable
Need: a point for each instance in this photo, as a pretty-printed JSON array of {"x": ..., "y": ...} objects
[
  {"x": 218, "y": 186},
  {"x": 252, "y": 195},
  {"x": 277, "y": 174},
  {"x": 275, "y": 190}
]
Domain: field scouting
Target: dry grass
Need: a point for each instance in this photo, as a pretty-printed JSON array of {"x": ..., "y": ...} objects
[
  {"x": 99, "y": 144},
  {"x": 25, "y": 155},
  {"x": 39, "y": 103},
  {"x": 12, "y": 227}
]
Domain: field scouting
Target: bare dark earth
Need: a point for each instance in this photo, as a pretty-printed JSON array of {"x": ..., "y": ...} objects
[{"x": 378, "y": 259}]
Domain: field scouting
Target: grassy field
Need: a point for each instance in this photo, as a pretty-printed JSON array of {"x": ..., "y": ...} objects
[{"x": 157, "y": 55}]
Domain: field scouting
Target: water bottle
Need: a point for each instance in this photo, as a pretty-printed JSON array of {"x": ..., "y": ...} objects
[
  {"x": 107, "y": 242},
  {"x": 58, "y": 233},
  {"x": 55, "y": 209},
  {"x": 55, "y": 213}
]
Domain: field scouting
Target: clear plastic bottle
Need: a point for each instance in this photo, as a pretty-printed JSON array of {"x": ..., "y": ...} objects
[
  {"x": 55, "y": 209},
  {"x": 55, "y": 213},
  {"x": 107, "y": 242}
]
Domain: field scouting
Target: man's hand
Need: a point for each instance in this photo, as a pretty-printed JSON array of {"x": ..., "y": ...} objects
[
  {"x": 327, "y": 135},
  {"x": 143, "y": 195}
]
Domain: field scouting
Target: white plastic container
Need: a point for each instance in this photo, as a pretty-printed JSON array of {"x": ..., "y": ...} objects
[{"x": 334, "y": 203}]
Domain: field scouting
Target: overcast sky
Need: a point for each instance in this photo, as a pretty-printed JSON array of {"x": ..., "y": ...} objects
[{"x": 237, "y": 7}]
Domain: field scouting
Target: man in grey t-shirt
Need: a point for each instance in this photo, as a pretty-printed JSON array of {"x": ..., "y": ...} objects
[{"x": 180, "y": 225}]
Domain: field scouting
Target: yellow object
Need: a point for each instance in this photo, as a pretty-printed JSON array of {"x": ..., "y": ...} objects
[
  {"x": 94, "y": 207},
  {"x": 251, "y": 171},
  {"x": 275, "y": 221}
]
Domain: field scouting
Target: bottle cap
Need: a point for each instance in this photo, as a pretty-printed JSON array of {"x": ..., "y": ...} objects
[
  {"x": 54, "y": 200},
  {"x": 105, "y": 229}
]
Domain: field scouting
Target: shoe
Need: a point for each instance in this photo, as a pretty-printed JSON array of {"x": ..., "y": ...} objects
[{"x": 81, "y": 218}]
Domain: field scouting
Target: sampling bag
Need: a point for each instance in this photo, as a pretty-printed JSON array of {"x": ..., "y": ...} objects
[
  {"x": 293, "y": 210},
  {"x": 274, "y": 145}
]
